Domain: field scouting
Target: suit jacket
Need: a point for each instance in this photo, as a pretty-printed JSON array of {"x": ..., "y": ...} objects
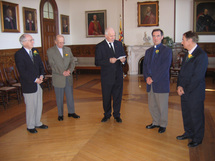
[
  {"x": 60, "y": 64},
  {"x": 29, "y": 70},
  {"x": 159, "y": 72},
  {"x": 110, "y": 73},
  {"x": 192, "y": 75}
]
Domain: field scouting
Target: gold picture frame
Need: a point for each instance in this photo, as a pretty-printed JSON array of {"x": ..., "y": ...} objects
[
  {"x": 96, "y": 18},
  {"x": 148, "y": 14},
  {"x": 9, "y": 17},
  {"x": 65, "y": 28},
  {"x": 29, "y": 20},
  {"x": 203, "y": 16}
]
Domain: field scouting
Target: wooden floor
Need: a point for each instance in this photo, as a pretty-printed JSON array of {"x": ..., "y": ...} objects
[{"x": 87, "y": 139}]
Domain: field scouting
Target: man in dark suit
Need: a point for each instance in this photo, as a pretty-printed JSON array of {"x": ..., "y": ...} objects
[
  {"x": 62, "y": 63},
  {"x": 31, "y": 72},
  {"x": 156, "y": 67},
  {"x": 191, "y": 88},
  {"x": 110, "y": 55}
]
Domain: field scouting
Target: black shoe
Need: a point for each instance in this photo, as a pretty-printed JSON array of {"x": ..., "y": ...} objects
[
  {"x": 74, "y": 115},
  {"x": 151, "y": 126},
  {"x": 182, "y": 137},
  {"x": 105, "y": 119},
  {"x": 118, "y": 119},
  {"x": 42, "y": 127},
  {"x": 193, "y": 144},
  {"x": 161, "y": 130},
  {"x": 33, "y": 131},
  {"x": 60, "y": 118}
]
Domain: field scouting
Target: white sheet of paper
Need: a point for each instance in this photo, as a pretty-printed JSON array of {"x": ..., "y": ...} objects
[{"x": 121, "y": 57}]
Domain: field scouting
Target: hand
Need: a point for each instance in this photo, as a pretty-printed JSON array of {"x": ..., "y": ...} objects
[
  {"x": 149, "y": 80},
  {"x": 122, "y": 60},
  {"x": 39, "y": 81},
  {"x": 41, "y": 78},
  {"x": 180, "y": 90},
  {"x": 113, "y": 60},
  {"x": 66, "y": 73}
]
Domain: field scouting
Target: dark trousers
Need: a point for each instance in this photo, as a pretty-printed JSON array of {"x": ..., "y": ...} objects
[
  {"x": 193, "y": 119},
  {"x": 115, "y": 91}
]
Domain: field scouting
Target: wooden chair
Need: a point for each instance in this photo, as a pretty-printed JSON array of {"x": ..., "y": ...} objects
[
  {"x": 48, "y": 76},
  {"x": 12, "y": 78},
  {"x": 175, "y": 67},
  {"x": 8, "y": 92}
]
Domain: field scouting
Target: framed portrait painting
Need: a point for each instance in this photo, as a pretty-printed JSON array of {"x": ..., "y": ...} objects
[
  {"x": 29, "y": 20},
  {"x": 64, "y": 24},
  {"x": 148, "y": 13},
  {"x": 9, "y": 17},
  {"x": 96, "y": 22},
  {"x": 204, "y": 17}
]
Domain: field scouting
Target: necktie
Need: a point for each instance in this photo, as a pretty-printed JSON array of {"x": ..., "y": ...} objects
[
  {"x": 112, "y": 48},
  {"x": 31, "y": 55}
]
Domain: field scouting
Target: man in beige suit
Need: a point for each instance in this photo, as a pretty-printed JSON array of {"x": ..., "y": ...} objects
[{"x": 62, "y": 63}]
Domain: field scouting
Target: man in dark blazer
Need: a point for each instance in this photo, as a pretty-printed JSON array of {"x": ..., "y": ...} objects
[
  {"x": 62, "y": 63},
  {"x": 191, "y": 88},
  {"x": 156, "y": 67},
  {"x": 110, "y": 55},
  {"x": 31, "y": 70}
]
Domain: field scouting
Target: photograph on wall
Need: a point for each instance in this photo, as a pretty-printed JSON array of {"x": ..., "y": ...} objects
[
  {"x": 96, "y": 22},
  {"x": 148, "y": 13},
  {"x": 29, "y": 20},
  {"x": 64, "y": 24},
  {"x": 9, "y": 17},
  {"x": 204, "y": 17}
]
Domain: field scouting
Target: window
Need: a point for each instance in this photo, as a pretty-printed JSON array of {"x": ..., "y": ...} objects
[{"x": 48, "y": 11}]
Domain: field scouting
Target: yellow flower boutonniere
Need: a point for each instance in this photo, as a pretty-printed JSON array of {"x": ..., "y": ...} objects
[
  {"x": 190, "y": 56},
  {"x": 35, "y": 52},
  {"x": 156, "y": 51},
  {"x": 66, "y": 54}
]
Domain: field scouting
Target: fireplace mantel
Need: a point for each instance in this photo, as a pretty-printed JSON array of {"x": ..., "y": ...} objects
[{"x": 135, "y": 53}]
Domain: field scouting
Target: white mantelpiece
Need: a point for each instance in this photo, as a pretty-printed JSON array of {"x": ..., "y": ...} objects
[{"x": 135, "y": 53}]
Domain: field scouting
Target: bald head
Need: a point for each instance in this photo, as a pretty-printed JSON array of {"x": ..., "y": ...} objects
[
  {"x": 59, "y": 41},
  {"x": 110, "y": 34}
]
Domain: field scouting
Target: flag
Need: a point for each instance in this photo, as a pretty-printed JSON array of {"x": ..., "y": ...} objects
[{"x": 120, "y": 31}]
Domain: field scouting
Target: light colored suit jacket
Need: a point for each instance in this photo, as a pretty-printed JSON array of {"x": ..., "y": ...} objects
[{"x": 60, "y": 64}]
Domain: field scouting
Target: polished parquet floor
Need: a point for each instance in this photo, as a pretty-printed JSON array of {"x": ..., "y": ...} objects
[{"x": 87, "y": 139}]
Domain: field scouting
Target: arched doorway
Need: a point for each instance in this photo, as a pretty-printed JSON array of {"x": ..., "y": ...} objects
[
  {"x": 140, "y": 65},
  {"x": 49, "y": 24}
]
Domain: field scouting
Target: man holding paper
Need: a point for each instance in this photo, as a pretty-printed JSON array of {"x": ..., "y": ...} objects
[{"x": 110, "y": 55}]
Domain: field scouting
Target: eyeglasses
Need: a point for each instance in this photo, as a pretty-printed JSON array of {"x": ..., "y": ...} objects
[
  {"x": 61, "y": 42},
  {"x": 30, "y": 40}
]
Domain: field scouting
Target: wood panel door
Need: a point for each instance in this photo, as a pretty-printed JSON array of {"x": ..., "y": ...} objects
[
  {"x": 49, "y": 24},
  {"x": 49, "y": 35}
]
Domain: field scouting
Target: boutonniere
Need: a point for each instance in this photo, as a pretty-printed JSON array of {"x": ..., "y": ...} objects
[
  {"x": 190, "y": 56},
  {"x": 156, "y": 51},
  {"x": 66, "y": 54},
  {"x": 35, "y": 52}
]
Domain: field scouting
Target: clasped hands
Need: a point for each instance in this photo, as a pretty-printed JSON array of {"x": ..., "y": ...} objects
[
  {"x": 113, "y": 60},
  {"x": 66, "y": 73},
  {"x": 39, "y": 80}
]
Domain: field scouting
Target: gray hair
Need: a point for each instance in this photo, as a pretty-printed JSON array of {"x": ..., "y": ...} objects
[
  {"x": 107, "y": 30},
  {"x": 22, "y": 38}
]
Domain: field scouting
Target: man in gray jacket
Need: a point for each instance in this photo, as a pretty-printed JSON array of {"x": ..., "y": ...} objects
[{"x": 62, "y": 63}]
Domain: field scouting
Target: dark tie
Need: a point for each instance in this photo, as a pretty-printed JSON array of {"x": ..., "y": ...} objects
[
  {"x": 112, "y": 48},
  {"x": 31, "y": 55}
]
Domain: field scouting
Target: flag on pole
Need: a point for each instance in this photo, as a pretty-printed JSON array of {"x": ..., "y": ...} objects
[{"x": 120, "y": 31}]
